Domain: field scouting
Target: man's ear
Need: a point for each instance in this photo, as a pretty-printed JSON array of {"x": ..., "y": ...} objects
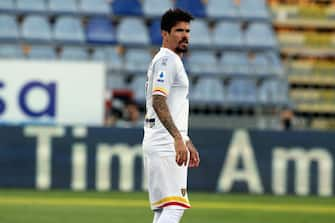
[{"x": 164, "y": 34}]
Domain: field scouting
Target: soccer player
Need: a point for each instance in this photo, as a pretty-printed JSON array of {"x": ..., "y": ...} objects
[{"x": 167, "y": 149}]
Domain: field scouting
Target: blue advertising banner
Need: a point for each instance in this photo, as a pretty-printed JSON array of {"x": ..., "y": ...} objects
[{"x": 80, "y": 158}]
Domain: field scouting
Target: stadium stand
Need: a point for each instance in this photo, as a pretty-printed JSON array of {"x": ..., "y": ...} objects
[
  {"x": 234, "y": 61},
  {"x": 305, "y": 32}
]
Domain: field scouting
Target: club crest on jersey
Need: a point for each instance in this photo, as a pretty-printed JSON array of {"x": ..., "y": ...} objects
[
  {"x": 183, "y": 191},
  {"x": 161, "y": 77}
]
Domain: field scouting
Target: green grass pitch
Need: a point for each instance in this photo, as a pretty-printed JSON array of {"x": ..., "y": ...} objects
[{"x": 28, "y": 206}]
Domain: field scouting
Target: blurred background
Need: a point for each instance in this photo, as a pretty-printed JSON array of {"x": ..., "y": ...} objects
[{"x": 262, "y": 106}]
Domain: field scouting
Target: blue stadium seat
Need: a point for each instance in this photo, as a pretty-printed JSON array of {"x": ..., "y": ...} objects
[
  {"x": 10, "y": 51},
  {"x": 132, "y": 31},
  {"x": 251, "y": 9},
  {"x": 203, "y": 62},
  {"x": 9, "y": 28},
  {"x": 7, "y": 6},
  {"x": 195, "y": 7},
  {"x": 74, "y": 53},
  {"x": 127, "y": 7},
  {"x": 42, "y": 53},
  {"x": 31, "y": 5},
  {"x": 113, "y": 59},
  {"x": 276, "y": 64},
  {"x": 115, "y": 81},
  {"x": 36, "y": 28},
  {"x": 138, "y": 87},
  {"x": 63, "y": 6},
  {"x": 137, "y": 60},
  {"x": 156, "y": 8},
  {"x": 100, "y": 30},
  {"x": 259, "y": 64},
  {"x": 242, "y": 92},
  {"x": 222, "y": 9},
  {"x": 200, "y": 34},
  {"x": 273, "y": 92},
  {"x": 260, "y": 35},
  {"x": 68, "y": 29},
  {"x": 234, "y": 63},
  {"x": 227, "y": 34},
  {"x": 95, "y": 7},
  {"x": 208, "y": 90},
  {"x": 155, "y": 32}
]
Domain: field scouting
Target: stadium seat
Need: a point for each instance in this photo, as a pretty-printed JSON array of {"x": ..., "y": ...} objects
[
  {"x": 137, "y": 60},
  {"x": 9, "y": 28},
  {"x": 36, "y": 28},
  {"x": 31, "y": 5},
  {"x": 259, "y": 64},
  {"x": 7, "y": 5},
  {"x": 155, "y": 32},
  {"x": 132, "y": 31},
  {"x": 95, "y": 7},
  {"x": 115, "y": 81},
  {"x": 234, "y": 63},
  {"x": 242, "y": 92},
  {"x": 227, "y": 34},
  {"x": 222, "y": 9},
  {"x": 113, "y": 59},
  {"x": 100, "y": 30},
  {"x": 138, "y": 87},
  {"x": 251, "y": 9},
  {"x": 42, "y": 53},
  {"x": 276, "y": 64},
  {"x": 203, "y": 62},
  {"x": 127, "y": 7},
  {"x": 10, "y": 51},
  {"x": 73, "y": 53},
  {"x": 195, "y": 7},
  {"x": 208, "y": 90},
  {"x": 63, "y": 6},
  {"x": 260, "y": 35},
  {"x": 156, "y": 8},
  {"x": 68, "y": 29},
  {"x": 273, "y": 91},
  {"x": 200, "y": 34},
  {"x": 98, "y": 55}
]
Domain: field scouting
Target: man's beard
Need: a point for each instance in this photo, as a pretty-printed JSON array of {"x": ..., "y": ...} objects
[{"x": 182, "y": 50}]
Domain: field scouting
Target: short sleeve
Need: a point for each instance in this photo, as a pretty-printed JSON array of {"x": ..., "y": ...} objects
[{"x": 163, "y": 75}]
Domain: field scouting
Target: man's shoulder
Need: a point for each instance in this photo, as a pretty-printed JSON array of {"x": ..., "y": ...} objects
[{"x": 164, "y": 59}]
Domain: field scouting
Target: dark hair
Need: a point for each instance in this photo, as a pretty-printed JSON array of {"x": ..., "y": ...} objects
[{"x": 172, "y": 16}]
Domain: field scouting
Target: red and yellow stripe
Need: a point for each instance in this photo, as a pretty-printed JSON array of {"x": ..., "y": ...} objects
[
  {"x": 174, "y": 200},
  {"x": 161, "y": 90}
]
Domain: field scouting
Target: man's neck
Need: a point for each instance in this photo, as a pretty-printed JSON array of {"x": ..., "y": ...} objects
[{"x": 180, "y": 54}]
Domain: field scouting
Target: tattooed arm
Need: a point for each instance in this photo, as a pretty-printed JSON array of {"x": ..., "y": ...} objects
[{"x": 162, "y": 110}]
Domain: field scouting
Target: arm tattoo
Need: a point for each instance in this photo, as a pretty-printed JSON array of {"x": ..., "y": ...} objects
[{"x": 164, "y": 115}]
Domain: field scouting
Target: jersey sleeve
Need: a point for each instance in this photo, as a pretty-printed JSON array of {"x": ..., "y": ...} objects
[{"x": 163, "y": 75}]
